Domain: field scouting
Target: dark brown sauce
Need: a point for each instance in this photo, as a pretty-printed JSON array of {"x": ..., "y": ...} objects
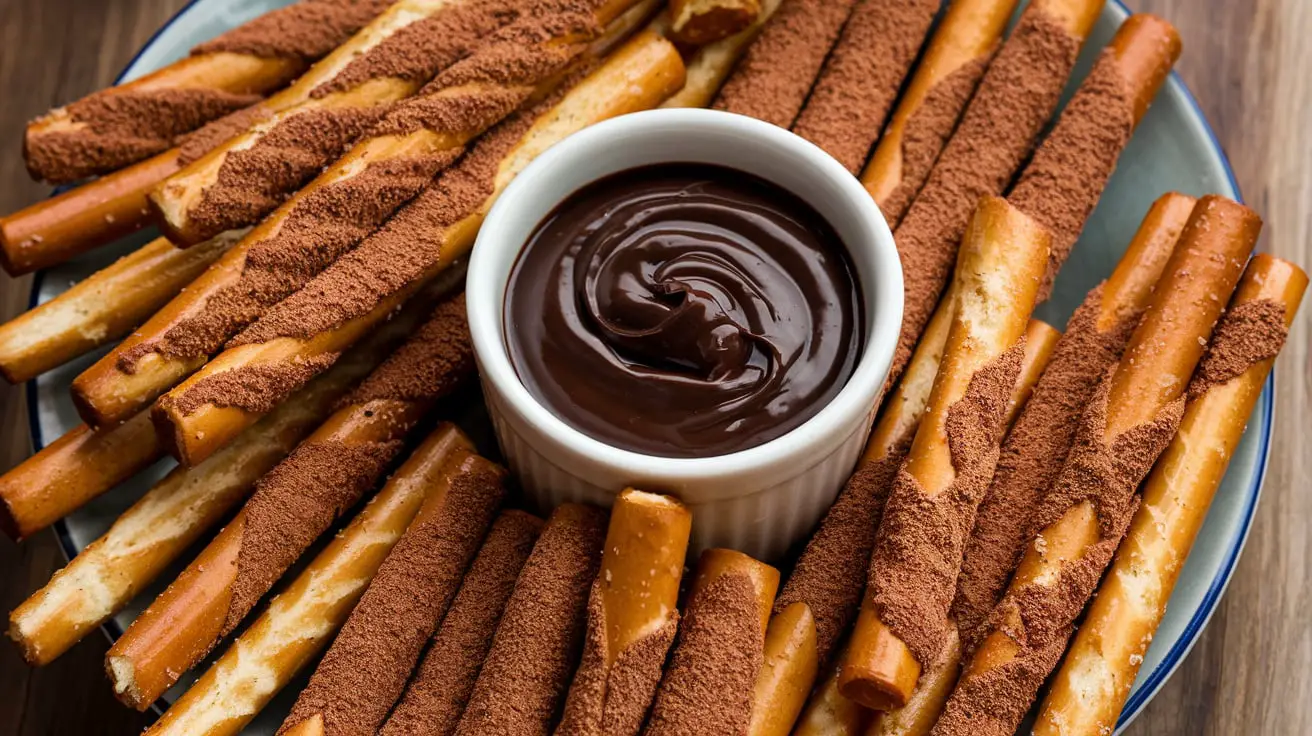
[{"x": 684, "y": 310}]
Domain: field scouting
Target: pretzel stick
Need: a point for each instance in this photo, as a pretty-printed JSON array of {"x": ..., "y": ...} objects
[
  {"x": 861, "y": 78},
  {"x": 102, "y": 307},
  {"x": 699, "y": 22},
  {"x": 1010, "y": 109},
  {"x": 160, "y": 526},
  {"x": 788, "y": 669},
  {"x": 301, "y": 620},
  {"x": 632, "y": 616},
  {"x": 1033, "y": 454},
  {"x": 327, "y": 474},
  {"x": 526, "y": 674},
  {"x": 1094, "y": 681},
  {"x": 421, "y": 242},
  {"x": 1062, "y": 184},
  {"x": 827, "y": 711},
  {"x": 435, "y": 699},
  {"x": 72, "y": 470},
  {"x": 1127, "y": 425},
  {"x": 950, "y": 461},
  {"x": 366, "y": 668},
  {"x": 711, "y": 64},
  {"x": 951, "y": 68}
]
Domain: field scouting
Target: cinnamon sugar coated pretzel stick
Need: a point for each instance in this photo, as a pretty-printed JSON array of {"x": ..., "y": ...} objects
[
  {"x": 776, "y": 73},
  {"x": 436, "y": 696},
  {"x": 1034, "y": 452},
  {"x": 711, "y": 64},
  {"x": 861, "y": 78},
  {"x": 161, "y": 525},
  {"x": 71, "y": 471},
  {"x": 124, "y": 124},
  {"x": 102, "y": 307},
  {"x": 995, "y": 136},
  {"x": 247, "y": 176},
  {"x": 632, "y": 616},
  {"x": 711, "y": 678},
  {"x": 366, "y": 668},
  {"x": 336, "y": 308},
  {"x": 1094, "y": 681},
  {"x": 523, "y": 681},
  {"x": 903, "y": 619},
  {"x": 699, "y": 22},
  {"x": 301, "y": 620},
  {"x": 291, "y": 507},
  {"x": 953, "y": 64},
  {"x": 1128, "y": 423}
]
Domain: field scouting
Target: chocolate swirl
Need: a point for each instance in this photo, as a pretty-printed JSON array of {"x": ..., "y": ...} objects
[{"x": 684, "y": 310}]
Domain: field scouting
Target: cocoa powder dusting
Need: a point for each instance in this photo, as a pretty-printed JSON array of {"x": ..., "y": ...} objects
[
  {"x": 252, "y": 182},
  {"x": 435, "y": 699},
  {"x": 830, "y": 575},
  {"x": 305, "y": 31},
  {"x": 253, "y": 388},
  {"x": 927, "y": 130},
  {"x": 118, "y": 127},
  {"x": 421, "y": 49},
  {"x": 1039, "y": 618},
  {"x": 366, "y": 669},
  {"x": 709, "y": 684},
  {"x": 1031, "y": 458},
  {"x": 861, "y": 79},
  {"x": 404, "y": 249},
  {"x": 996, "y": 134},
  {"x": 430, "y": 365},
  {"x": 772, "y": 81},
  {"x": 201, "y": 141},
  {"x": 614, "y": 701},
  {"x": 1246, "y": 335},
  {"x": 917, "y": 555},
  {"x": 523, "y": 680},
  {"x": 292, "y": 505},
  {"x": 1063, "y": 183}
]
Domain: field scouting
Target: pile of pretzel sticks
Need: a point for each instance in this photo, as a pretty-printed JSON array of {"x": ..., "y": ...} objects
[{"x": 319, "y": 175}]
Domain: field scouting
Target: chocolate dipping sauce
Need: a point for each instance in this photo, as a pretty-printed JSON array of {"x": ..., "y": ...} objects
[{"x": 684, "y": 310}]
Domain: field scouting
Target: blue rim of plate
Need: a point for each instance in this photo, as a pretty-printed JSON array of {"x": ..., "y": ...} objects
[{"x": 1188, "y": 637}]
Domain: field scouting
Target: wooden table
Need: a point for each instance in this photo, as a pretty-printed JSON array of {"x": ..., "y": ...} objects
[{"x": 1252, "y": 670}]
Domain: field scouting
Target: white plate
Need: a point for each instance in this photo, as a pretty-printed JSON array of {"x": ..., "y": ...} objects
[{"x": 1174, "y": 149}]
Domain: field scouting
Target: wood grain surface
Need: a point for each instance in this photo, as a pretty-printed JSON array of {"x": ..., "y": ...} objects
[{"x": 1245, "y": 60}]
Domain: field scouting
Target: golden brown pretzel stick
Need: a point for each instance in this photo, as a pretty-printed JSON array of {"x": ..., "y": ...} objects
[
  {"x": 78, "y": 220},
  {"x": 632, "y": 616},
  {"x": 861, "y": 78},
  {"x": 102, "y": 307},
  {"x": 711, "y": 64},
  {"x": 947, "y": 470},
  {"x": 367, "y": 666},
  {"x": 301, "y": 620},
  {"x": 291, "y": 507},
  {"x": 526, "y": 674},
  {"x": 776, "y": 74},
  {"x": 958, "y": 54},
  {"x": 160, "y": 526},
  {"x": 343, "y": 303},
  {"x": 1062, "y": 184},
  {"x": 1091, "y": 687},
  {"x": 436, "y": 696},
  {"x": 71, "y": 471},
  {"x": 827, "y": 711},
  {"x": 1010, "y": 109},
  {"x": 711, "y": 678},
  {"x": 177, "y": 340},
  {"x": 124, "y": 124},
  {"x": 1128, "y": 423},
  {"x": 1034, "y": 452},
  {"x": 699, "y": 22},
  {"x": 788, "y": 669},
  {"x": 247, "y": 176}
]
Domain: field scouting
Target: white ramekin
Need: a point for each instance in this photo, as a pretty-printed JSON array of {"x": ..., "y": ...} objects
[{"x": 761, "y": 500}]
